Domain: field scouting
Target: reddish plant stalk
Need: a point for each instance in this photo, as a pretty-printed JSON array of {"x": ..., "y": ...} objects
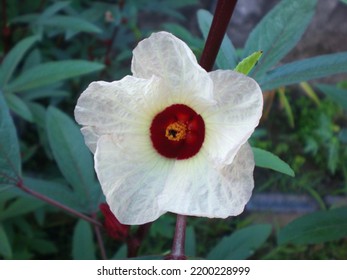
[
  {"x": 99, "y": 239},
  {"x": 57, "y": 204},
  {"x": 221, "y": 19},
  {"x": 178, "y": 246},
  {"x": 6, "y": 32}
]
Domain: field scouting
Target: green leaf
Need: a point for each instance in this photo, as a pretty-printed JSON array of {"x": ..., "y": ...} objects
[
  {"x": 39, "y": 116},
  {"x": 266, "y": 159},
  {"x": 72, "y": 155},
  {"x": 18, "y": 106},
  {"x": 121, "y": 253},
  {"x": 82, "y": 242},
  {"x": 190, "y": 244},
  {"x": 54, "y": 8},
  {"x": 315, "y": 228},
  {"x": 226, "y": 58},
  {"x": 333, "y": 154},
  {"x": 304, "y": 70},
  {"x": 247, "y": 64},
  {"x": 71, "y": 23},
  {"x": 21, "y": 206},
  {"x": 285, "y": 104},
  {"x": 32, "y": 59},
  {"x": 241, "y": 244},
  {"x": 5, "y": 246},
  {"x": 42, "y": 246},
  {"x": 310, "y": 93},
  {"x": 278, "y": 32},
  {"x": 13, "y": 58},
  {"x": 52, "y": 72},
  {"x": 10, "y": 160},
  {"x": 45, "y": 93},
  {"x": 336, "y": 94}
]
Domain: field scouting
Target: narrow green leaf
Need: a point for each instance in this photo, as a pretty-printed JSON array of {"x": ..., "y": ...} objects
[
  {"x": 5, "y": 246},
  {"x": 278, "y": 32},
  {"x": 82, "y": 242},
  {"x": 315, "y": 228},
  {"x": 226, "y": 58},
  {"x": 18, "y": 106},
  {"x": 27, "y": 18},
  {"x": 247, "y": 64},
  {"x": 333, "y": 155},
  {"x": 180, "y": 4},
  {"x": 71, "y": 154},
  {"x": 121, "y": 254},
  {"x": 304, "y": 70},
  {"x": 336, "y": 94},
  {"x": 52, "y": 72},
  {"x": 21, "y": 206},
  {"x": 32, "y": 59},
  {"x": 71, "y": 23},
  {"x": 285, "y": 104},
  {"x": 266, "y": 159},
  {"x": 45, "y": 93},
  {"x": 10, "y": 160},
  {"x": 190, "y": 244},
  {"x": 241, "y": 244},
  {"x": 42, "y": 246},
  {"x": 13, "y": 58},
  {"x": 310, "y": 92},
  {"x": 39, "y": 116},
  {"x": 54, "y": 8}
]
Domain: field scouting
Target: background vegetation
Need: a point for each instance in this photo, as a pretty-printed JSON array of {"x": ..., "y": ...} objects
[{"x": 51, "y": 50}]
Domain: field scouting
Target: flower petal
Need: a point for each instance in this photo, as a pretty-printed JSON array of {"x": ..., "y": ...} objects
[
  {"x": 232, "y": 121},
  {"x": 91, "y": 137},
  {"x": 112, "y": 108},
  {"x": 132, "y": 176},
  {"x": 196, "y": 187},
  {"x": 165, "y": 56}
]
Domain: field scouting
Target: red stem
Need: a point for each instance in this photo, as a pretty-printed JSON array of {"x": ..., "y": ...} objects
[
  {"x": 100, "y": 240},
  {"x": 222, "y": 15},
  {"x": 6, "y": 32},
  {"x": 178, "y": 252},
  {"x": 57, "y": 204}
]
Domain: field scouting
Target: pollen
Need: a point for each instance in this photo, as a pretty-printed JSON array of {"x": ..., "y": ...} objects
[{"x": 176, "y": 131}]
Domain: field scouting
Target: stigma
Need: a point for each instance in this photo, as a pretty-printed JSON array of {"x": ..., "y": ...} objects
[{"x": 176, "y": 131}]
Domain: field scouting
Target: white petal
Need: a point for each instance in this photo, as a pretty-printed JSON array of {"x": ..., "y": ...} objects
[
  {"x": 91, "y": 137},
  {"x": 113, "y": 108},
  {"x": 199, "y": 188},
  {"x": 165, "y": 56},
  {"x": 131, "y": 175},
  {"x": 233, "y": 120}
]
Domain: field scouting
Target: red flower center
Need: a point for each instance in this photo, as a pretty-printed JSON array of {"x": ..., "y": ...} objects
[{"x": 177, "y": 132}]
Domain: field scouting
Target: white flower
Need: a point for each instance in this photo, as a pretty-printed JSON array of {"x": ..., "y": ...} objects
[{"x": 172, "y": 137}]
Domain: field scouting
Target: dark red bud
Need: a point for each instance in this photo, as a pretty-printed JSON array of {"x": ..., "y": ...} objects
[{"x": 113, "y": 227}]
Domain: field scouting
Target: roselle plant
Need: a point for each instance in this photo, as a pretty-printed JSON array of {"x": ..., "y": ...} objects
[{"x": 171, "y": 136}]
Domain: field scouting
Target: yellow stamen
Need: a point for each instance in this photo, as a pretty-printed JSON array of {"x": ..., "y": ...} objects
[{"x": 176, "y": 131}]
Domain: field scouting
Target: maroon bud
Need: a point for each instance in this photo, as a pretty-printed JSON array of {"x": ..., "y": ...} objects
[{"x": 113, "y": 227}]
